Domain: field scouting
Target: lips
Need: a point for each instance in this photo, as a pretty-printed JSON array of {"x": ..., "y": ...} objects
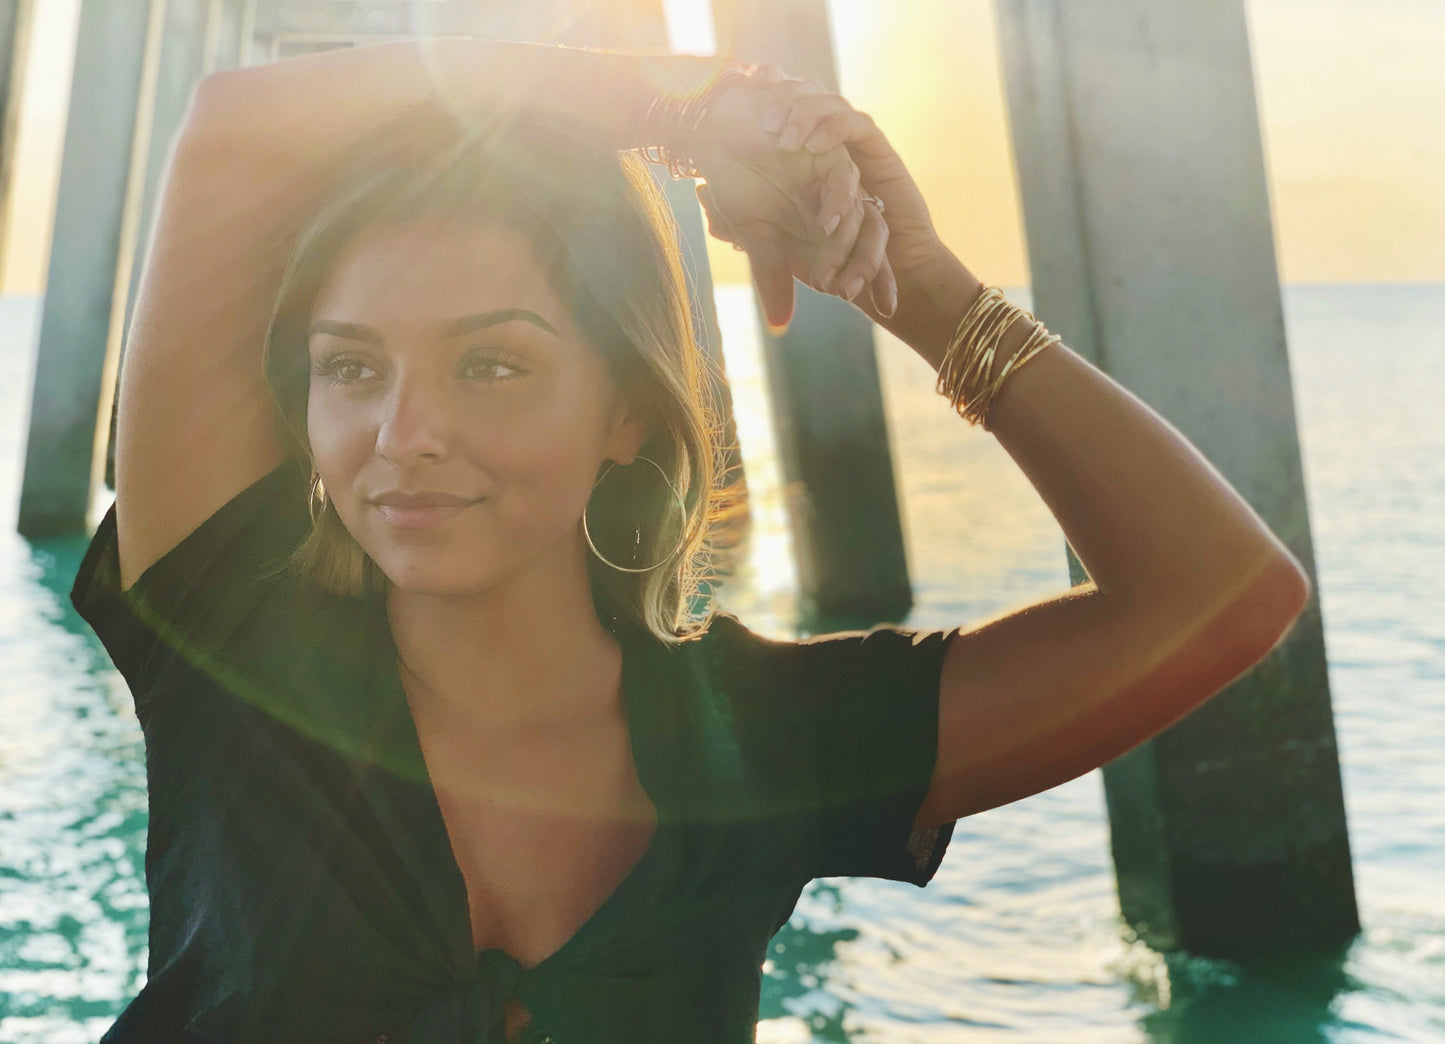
[
  {"x": 420, "y": 499},
  {"x": 420, "y": 509}
]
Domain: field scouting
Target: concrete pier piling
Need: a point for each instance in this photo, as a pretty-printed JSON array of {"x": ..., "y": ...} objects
[
  {"x": 1142, "y": 172},
  {"x": 827, "y": 400},
  {"x": 96, "y": 222},
  {"x": 15, "y": 16}
]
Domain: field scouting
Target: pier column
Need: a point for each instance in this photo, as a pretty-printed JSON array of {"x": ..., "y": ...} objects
[
  {"x": 15, "y": 24},
  {"x": 827, "y": 400},
  {"x": 75, "y": 364},
  {"x": 1147, "y": 212}
]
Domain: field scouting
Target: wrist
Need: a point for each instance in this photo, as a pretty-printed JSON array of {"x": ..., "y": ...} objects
[
  {"x": 656, "y": 79},
  {"x": 933, "y": 298},
  {"x": 681, "y": 119}
]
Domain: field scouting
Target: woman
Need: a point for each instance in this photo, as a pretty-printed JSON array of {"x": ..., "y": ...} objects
[{"x": 438, "y": 747}]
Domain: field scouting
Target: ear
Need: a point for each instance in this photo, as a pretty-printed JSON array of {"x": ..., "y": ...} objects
[{"x": 626, "y": 431}]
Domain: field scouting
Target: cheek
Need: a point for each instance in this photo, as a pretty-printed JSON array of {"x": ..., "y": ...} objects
[
  {"x": 553, "y": 459},
  {"x": 337, "y": 435}
]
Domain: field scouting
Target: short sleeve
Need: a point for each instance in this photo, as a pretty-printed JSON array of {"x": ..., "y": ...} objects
[
  {"x": 201, "y": 591},
  {"x": 848, "y": 723}
]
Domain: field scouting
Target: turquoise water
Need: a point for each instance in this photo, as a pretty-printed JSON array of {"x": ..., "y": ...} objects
[{"x": 1019, "y": 937}]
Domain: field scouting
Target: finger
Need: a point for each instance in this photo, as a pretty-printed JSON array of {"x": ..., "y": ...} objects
[
  {"x": 836, "y": 128},
  {"x": 717, "y": 226},
  {"x": 773, "y": 278},
  {"x": 784, "y": 96},
  {"x": 884, "y": 289},
  {"x": 836, "y": 250},
  {"x": 808, "y": 111},
  {"x": 767, "y": 75},
  {"x": 867, "y": 257},
  {"x": 839, "y": 190}
]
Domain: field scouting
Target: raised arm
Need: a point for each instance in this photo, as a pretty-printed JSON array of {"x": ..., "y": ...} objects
[
  {"x": 1189, "y": 586},
  {"x": 260, "y": 148}
]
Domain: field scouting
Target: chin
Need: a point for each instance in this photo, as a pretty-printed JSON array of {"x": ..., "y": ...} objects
[
  {"x": 447, "y": 585},
  {"x": 432, "y": 575}
]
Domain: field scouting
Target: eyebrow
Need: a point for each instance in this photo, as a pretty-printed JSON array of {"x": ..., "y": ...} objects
[{"x": 465, "y": 325}]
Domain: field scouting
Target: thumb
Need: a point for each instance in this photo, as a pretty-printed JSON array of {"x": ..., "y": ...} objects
[{"x": 717, "y": 225}]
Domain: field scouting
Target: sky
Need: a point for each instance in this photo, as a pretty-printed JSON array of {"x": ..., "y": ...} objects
[{"x": 1350, "y": 108}]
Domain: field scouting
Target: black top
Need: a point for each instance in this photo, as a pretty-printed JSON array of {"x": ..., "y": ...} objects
[{"x": 302, "y": 884}]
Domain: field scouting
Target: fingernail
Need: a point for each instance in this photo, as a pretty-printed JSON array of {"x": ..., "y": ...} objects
[
  {"x": 790, "y": 137},
  {"x": 815, "y": 142},
  {"x": 854, "y": 285},
  {"x": 826, "y": 282},
  {"x": 831, "y": 222},
  {"x": 773, "y": 119},
  {"x": 892, "y": 303}
]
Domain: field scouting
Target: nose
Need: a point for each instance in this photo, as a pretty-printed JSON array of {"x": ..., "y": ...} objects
[{"x": 413, "y": 424}]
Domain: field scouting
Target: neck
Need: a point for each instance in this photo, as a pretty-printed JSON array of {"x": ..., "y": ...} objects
[{"x": 527, "y": 652}]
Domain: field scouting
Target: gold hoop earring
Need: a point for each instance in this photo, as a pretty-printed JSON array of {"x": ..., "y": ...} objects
[
  {"x": 316, "y": 497},
  {"x": 637, "y": 540}
]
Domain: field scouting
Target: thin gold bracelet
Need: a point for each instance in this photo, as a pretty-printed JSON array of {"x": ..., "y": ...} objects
[
  {"x": 968, "y": 386},
  {"x": 672, "y": 120}
]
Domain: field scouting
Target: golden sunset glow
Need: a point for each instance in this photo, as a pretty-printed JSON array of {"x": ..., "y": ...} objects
[{"x": 1349, "y": 107}]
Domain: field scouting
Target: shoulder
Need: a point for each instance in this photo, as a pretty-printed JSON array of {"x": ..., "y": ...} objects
[
  {"x": 748, "y": 664},
  {"x": 226, "y": 600},
  {"x": 784, "y": 700},
  {"x": 832, "y": 737}
]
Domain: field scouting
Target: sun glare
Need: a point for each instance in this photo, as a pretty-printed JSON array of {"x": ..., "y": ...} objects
[{"x": 689, "y": 26}]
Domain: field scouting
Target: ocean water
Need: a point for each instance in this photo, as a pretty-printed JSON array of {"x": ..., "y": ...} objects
[{"x": 1018, "y": 938}]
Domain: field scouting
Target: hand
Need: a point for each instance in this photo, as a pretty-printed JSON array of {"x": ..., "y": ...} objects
[
  {"x": 797, "y": 214},
  {"x": 814, "y": 122}
]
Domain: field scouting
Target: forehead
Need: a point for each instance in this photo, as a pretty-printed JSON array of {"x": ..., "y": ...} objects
[{"x": 436, "y": 270}]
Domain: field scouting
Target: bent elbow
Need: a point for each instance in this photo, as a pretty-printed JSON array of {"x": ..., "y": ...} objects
[
  {"x": 1268, "y": 610},
  {"x": 1297, "y": 590}
]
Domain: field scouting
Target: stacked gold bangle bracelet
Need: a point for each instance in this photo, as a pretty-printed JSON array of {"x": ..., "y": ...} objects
[
  {"x": 672, "y": 120},
  {"x": 963, "y": 376}
]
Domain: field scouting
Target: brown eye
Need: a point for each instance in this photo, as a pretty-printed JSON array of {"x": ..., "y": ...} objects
[
  {"x": 342, "y": 369},
  {"x": 489, "y": 368}
]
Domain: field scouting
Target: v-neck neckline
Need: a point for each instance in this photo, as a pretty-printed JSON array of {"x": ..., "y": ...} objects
[{"x": 647, "y": 764}]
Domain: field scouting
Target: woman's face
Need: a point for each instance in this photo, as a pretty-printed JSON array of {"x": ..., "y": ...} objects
[{"x": 457, "y": 416}]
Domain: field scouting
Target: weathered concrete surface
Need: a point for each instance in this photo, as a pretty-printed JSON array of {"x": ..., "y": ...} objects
[
  {"x": 15, "y": 21},
  {"x": 74, "y": 377},
  {"x": 1147, "y": 212},
  {"x": 827, "y": 401}
]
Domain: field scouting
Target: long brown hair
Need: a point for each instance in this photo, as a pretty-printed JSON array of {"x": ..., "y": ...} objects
[{"x": 604, "y": 234}]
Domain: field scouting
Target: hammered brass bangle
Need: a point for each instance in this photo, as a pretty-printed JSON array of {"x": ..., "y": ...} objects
[
  {"x": 1038, "y": 340},
  {"x": 962, "y": 362},
  {"x": 964, "y": 375}
]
